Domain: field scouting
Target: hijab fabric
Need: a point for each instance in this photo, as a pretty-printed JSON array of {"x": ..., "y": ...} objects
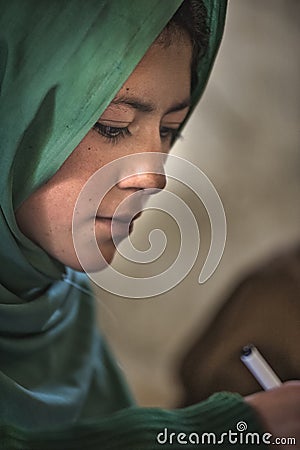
[{"x": 61, "y": 63}]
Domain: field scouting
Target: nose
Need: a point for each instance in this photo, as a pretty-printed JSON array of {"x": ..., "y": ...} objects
[{"x": 143, "y": 171}]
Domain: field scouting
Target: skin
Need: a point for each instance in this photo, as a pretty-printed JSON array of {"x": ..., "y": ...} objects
[
  {"x": 148, "y": 109},
  {"x": 162, "y": 81},
  {"x": 279, "y": 412}
]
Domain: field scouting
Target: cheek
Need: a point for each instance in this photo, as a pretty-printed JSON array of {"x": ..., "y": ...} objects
[
  {"x": 46, "y": 219},
  {"x": 46, "y": 216}
]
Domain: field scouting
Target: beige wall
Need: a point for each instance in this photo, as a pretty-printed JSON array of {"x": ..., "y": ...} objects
[{"x": 245, "y": 136}]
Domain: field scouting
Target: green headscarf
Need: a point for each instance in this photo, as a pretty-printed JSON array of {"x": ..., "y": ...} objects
[{"x": 61, "y": 63}]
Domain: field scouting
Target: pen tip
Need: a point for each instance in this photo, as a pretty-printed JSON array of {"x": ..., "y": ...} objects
[{"x": 247, "y": 350}]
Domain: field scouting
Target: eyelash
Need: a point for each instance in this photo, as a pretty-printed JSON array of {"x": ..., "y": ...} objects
[
  {"x": 168, "y": 133},
  {"x": 114, "y": 134}
]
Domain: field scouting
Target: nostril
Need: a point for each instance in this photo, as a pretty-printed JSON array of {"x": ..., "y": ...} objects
[
  {"x": 161, "y": 182},
  {"x": 154, "y": 182}
]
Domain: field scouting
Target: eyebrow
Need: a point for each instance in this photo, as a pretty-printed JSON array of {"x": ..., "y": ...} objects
[{"x": 137, "y": 103}]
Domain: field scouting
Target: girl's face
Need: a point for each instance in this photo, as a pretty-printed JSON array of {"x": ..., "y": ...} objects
[{"x": 143, "y": 117}]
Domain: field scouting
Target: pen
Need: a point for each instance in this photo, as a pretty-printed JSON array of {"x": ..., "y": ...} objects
[{"x": 259, "y": 367}]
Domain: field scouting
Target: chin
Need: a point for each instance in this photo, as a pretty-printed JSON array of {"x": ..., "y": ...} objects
[{"x": 93, "y": 262}]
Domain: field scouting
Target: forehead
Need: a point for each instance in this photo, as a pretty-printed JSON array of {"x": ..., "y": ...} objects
[{"x": 163, "y": 75}]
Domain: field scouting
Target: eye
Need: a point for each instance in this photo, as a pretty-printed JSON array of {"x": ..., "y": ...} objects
[
  {"x": 167, "y": 132},
  {"x": 113, "y": 134}
]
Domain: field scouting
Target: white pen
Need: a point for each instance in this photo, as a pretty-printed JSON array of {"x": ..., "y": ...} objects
[{"x": 259, "y": 367}]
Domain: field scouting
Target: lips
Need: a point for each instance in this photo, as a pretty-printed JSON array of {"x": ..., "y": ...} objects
[
  {"x": 123, "y": 219},
  {"x": 118, "y": 226}
]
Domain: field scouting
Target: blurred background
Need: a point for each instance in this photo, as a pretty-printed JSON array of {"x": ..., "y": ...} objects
[{"x": 244, "y": 135}]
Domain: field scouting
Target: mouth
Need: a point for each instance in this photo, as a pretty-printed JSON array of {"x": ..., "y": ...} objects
[{"x": 117, "y": 226}]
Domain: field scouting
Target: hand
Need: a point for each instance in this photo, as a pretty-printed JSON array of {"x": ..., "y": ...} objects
[{"x": 279, "y": 411}]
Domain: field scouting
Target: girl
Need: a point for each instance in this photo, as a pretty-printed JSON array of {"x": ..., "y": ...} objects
[{"x": 83, "y": 84}]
